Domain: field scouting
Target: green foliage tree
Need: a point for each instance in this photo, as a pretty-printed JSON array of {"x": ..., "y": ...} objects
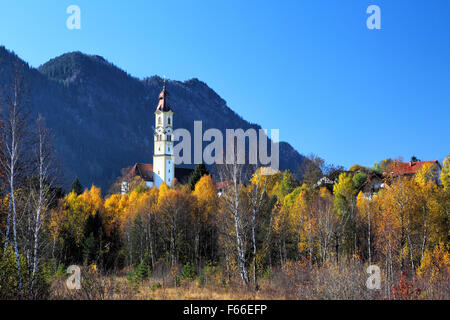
[
  {"x": 359, "y": 179},
  {"x": 288, "y": 183},
  {"x": 142, "y": 271},
  {"x": 199, "y": 171},
  {"x": 89, "y": 252},
  {"x": 188, "y": 272},
  {"x": 8, "y": 278},
  {"x": 8, "y": 275},
  {"x": 345, "y": 205},
  {"x": 94, "y": 236},
  {"x": 381, "y": 167}
]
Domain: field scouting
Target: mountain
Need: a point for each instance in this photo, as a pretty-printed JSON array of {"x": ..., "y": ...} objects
[{"x": 103, "y": 118}]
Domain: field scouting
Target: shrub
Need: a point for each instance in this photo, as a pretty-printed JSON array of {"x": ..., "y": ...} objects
[
  {"x": 52, "y": 271},
  {"x": 39, "y": 288},
  {"x": 9, "y": 285},
  {"x": 267, "y": 273},
  {"x": 155, "y": 286},
  {"x": 142, "y": 271},
  {"x": 188, "y": 272}
]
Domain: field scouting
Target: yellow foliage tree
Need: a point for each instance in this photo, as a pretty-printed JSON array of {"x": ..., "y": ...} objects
[
  {"x": 111, "y": 212},
  {"x": 91, "y": 200},
  {"x": 75, "y": 216},
  {"x": 445, "y": 174},
  {"x": 302, "y": 219},
  {"x": 206, "y": 195},
  {"x": 427, "y": 173},
  {"x": 435, "y": 264}
]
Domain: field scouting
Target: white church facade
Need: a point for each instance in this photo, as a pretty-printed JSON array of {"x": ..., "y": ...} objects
[
  {"x": 163, "y": 159},
  {"x": 163, "y": 167}
]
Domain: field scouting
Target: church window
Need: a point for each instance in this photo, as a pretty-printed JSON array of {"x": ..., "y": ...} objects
[
  {"x": 159, "y": 120},
  {"x": 168, "y": 120}
]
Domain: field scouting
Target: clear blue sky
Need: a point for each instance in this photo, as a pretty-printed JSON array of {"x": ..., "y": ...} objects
[{"x": 310, "y": 68}]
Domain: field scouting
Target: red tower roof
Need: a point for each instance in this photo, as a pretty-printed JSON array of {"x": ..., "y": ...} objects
[{"x": 163, "y": 100}]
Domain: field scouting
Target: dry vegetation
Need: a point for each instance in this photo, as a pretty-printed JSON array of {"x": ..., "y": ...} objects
[{"x": 296, "y": 281}]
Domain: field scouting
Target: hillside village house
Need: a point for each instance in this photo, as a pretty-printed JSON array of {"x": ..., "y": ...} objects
[
  {"x": 409, "y": 169},
  {"x": 376, "y": 181}
]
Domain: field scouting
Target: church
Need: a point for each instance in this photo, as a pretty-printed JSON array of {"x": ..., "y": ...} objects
[{"x": 163, "y": 167}]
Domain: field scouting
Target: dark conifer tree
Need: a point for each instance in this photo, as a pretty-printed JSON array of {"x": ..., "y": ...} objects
[
  {"x": 77, "y": 187},
  {"x": 199, "y": 171}
]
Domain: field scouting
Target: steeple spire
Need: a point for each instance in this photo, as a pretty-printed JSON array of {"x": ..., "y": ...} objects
[{"x": 163, "y": 99}]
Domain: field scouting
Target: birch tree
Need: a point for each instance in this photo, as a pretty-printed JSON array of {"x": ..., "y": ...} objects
[
  {"x": 44, "y": 195},
  {"x": 364, "y": 206},
  {"x": 326, "y": 221},
  {"x": 14, "y": 136},
  {"x": 257, "y": 191},
  {"x": 233, "y": 172}
]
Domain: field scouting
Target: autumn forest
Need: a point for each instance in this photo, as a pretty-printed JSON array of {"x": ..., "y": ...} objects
[{"x": 258, "y": 237}]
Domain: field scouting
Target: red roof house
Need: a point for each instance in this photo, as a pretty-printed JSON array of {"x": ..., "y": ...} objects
[{"x": 411, "y": 168}]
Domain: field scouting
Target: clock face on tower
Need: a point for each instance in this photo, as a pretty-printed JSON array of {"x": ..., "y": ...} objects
[
  {"x": 159, "y": 130},
  {"x": 168, "y": 130}
]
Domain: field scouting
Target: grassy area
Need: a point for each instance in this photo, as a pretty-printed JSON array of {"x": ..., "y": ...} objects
[
  {"x": 118, "y": 287},
  {"x": 295, "y": 281}
]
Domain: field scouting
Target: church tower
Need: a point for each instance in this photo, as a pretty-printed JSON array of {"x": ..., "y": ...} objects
[{"x": 163, "y": 159}]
